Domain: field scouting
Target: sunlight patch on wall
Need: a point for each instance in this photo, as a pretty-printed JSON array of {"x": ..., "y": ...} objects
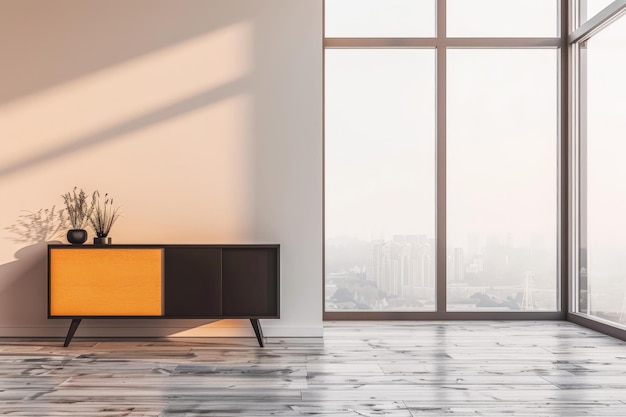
[
  {"x": 113, "y": 95},
  {"x": 195, "y": 183}
]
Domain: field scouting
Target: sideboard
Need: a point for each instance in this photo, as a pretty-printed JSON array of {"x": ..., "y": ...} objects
[{"x": 164, "y": 281}]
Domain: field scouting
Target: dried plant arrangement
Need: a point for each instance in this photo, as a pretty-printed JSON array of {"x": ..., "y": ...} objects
[
  {"x": 77, "y": 208},
  {"x": 103, "y": 216}
]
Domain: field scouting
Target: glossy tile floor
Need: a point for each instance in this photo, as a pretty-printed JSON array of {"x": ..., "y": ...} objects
[{"x": 358, "y": 369}]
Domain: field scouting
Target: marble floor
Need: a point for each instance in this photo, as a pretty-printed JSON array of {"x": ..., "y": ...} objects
[{"x": 358, "y": 369}]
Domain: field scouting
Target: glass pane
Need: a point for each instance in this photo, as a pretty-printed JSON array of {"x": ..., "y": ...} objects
[
  {"x": 380, "y": 179},
  {"x": 502, "y": 18},
  {"x": 380, "y": 18},
  {"x": 606, "y": 174},
  {"x": 502, "y": 180},
  {"x": 589, "y": 8}
]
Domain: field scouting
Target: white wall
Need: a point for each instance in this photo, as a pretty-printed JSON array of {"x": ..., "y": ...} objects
[{"x": 202, "y": 118}]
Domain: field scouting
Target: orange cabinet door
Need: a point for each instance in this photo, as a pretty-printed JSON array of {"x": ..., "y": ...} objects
[{"x": 106, "y": 282}]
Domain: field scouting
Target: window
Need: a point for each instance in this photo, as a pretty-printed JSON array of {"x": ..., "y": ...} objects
[
  {"x": 601, "y": 277},
  {"x": 380, "y": 162},
  {"x": 442, "y": 158},
  {"x": 590, "y": 8},
  {"x": 502, "y": 179},
  {"x": 502, "y": 18},
  {"x": 380, "y": 18}
]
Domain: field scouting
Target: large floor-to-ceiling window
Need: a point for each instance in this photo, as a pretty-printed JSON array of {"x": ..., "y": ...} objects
[
  {"x": 502, "y": 179},
  {"x": 380, "y": 179},
  {"x": 442, "y": 135},
  {"x": 599, "y": 171}
]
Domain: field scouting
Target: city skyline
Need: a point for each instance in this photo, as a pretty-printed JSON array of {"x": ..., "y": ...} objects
[{"x": 487, "y": 273}]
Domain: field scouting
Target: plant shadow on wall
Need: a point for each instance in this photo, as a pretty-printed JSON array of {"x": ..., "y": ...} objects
[{"x": 23, "y": 299}]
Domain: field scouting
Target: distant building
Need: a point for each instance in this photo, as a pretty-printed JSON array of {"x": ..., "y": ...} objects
[
  {"x": 458, "y": 266},
  {"x": 404, "y": 266}
]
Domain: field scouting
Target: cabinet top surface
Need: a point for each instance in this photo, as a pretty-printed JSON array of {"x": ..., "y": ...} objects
[{"x": 165, "y": 245}]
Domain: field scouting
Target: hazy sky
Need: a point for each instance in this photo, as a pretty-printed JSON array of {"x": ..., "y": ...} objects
[
  {"x": 380, "y": 141},
  {"x": 416, "y": 18},
  {"x": 502, "y": 121}
]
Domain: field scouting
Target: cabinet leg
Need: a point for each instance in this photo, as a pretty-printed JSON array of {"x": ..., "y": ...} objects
[
  {"x": 71, "y": 331},
  {"x": 256, "y": 325}
]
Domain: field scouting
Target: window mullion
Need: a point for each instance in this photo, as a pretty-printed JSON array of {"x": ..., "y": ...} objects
[{"x": 441, "y": 160}]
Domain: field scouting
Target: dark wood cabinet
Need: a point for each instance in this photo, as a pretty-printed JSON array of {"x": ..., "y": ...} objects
[
  {"x": 193, "y": 282},
  {"x": 164, "y": 281},
  {"x": 248, "y": 283}
]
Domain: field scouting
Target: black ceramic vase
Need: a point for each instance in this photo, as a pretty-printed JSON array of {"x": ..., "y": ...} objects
[
  {"x": 77, "y": 236},
  {"x": 101, "y": 240}
]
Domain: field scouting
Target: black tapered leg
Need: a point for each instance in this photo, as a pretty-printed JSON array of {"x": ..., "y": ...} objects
[
  {"x": 70, "y": 333},
  {"x": 258, "y": 331}
]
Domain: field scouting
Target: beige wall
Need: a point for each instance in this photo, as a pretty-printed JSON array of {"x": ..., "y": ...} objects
[{"x": 202, "y": 118}]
